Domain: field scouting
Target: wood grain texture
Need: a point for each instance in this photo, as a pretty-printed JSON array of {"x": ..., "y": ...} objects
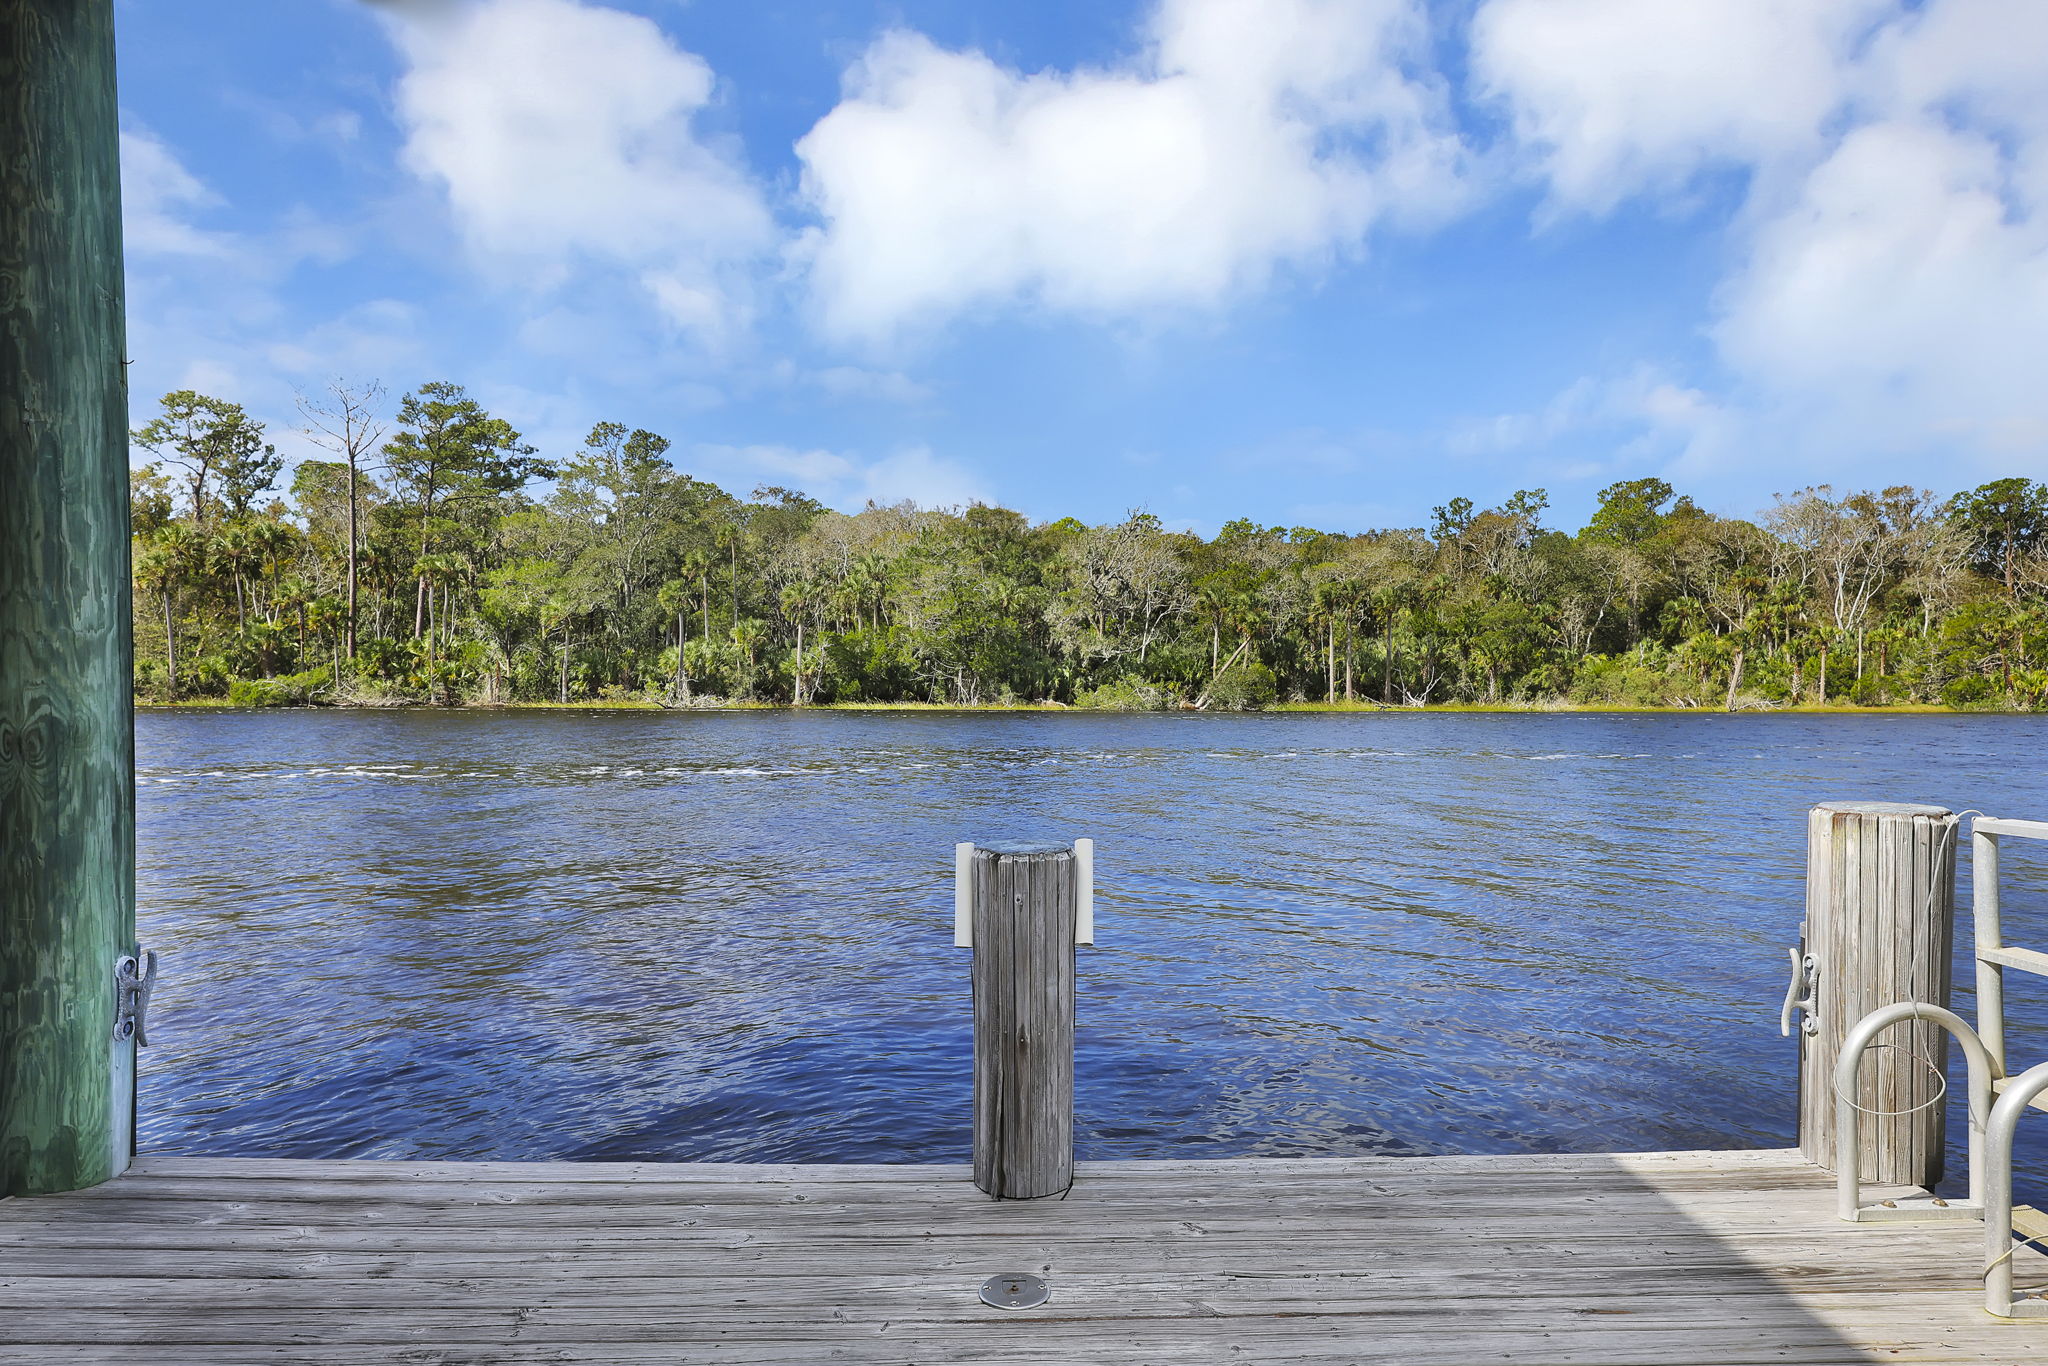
[
  {"x": 1676, "y": 1258},
  {"x": 1023, "y": 1020},
  {"x": 1880, "y": 912},
  {"x": 67, "y": 786}
]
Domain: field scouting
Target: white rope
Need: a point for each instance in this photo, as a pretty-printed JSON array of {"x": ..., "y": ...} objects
[
  {"x": 2020, "y": 1240},
  {"x": 1914, "y": 1049},
  {"x": 1941, "y": 1091}
]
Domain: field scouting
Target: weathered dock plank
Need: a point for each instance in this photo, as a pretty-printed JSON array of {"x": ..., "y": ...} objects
[{"x": 1677, "y": 1258}]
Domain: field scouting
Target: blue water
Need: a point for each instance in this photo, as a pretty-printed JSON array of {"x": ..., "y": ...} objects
[{"x": 727, "y": 936}]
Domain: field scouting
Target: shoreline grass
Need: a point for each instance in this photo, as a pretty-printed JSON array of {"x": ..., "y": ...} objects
[{"x": 1285, "y": 708}]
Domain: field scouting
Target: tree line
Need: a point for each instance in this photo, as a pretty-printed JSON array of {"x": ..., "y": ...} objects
[{"x": 438, "y": 557}]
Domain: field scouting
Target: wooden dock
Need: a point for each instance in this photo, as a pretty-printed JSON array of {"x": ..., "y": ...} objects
[{"x": 1706, "y": 1257}]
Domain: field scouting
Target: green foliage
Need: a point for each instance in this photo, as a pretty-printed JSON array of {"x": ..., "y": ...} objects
[
  {"x": 291, "y": 690},
  {"x": 1452, "y": 520},
  {"x": 629, "y": 579},
  {"x": 2003, "y": 520},
  {"x": 448, "y": 446},
  {"x": 1969, "y": 692},
  {"x": 1245, "y": 686},
  {"x": 1131, "y": 693},
  {"x": 151, "y": 502},
  {"x": 1627, "y": 681},
  {"x": 1630, "y": 512},
  {"x": 206, "y": 676},
  {"x": 869, "y": 664},
  {"x": 220, "y": 450}
]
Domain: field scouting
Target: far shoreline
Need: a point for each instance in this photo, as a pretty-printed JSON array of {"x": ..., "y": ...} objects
[{"x": 205, "y": 704}]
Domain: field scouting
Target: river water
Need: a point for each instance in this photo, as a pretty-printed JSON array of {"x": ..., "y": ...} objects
[{"x": 727, "y": 936}]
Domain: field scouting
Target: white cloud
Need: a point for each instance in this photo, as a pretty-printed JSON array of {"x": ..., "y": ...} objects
[
  {"x": 207, "y": 307},
  {"x": 842, "y": 481},
  {"x": 1887, "y": 295},
  {"x": 1643, "y": 415},
  {"x": 1902, "y": 287},
  {"x": 1894, "y": 300},
  {"x": 376, "y": 337},
  {"x": 1613, "y": 97},
  {"x": 564, "y": 134},
  {"x": 925, "y": 479},
  {"x": 158, "y": 199},
  {"x": 1876, "y": 175},
  {"x": 210, "y": 375},
  {"x": 1249, "y": 134},
  {"x": 1985, "y": 61}
]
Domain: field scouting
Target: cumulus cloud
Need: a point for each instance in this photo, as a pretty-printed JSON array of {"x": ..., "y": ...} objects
[
  {"x": 1888, "y": 286},
  {"x": 1613, "y": 97},
  {"x": 1875, "y": 173},
  {"x": 565, "y": 134},
  {"x": 1247, "y": 135},
  {"x": 844, "y": 481},
  {"x": 1902, "y": 285}
]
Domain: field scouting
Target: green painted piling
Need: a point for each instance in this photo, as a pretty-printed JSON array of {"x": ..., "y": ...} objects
[{"x": 67, "y": 748}]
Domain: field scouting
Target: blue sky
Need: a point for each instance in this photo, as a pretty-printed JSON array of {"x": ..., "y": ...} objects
[{"x": 1323, "y": 262}]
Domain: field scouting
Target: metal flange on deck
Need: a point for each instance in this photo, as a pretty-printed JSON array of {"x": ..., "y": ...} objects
[{"x": 1996, "y": 1101}]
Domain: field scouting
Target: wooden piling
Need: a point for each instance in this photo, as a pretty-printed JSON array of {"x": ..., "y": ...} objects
[
  {"x": 1022, "y": 908},
  {"x": 67, "y": 764},
  {"x": 1880, "y": 915}
]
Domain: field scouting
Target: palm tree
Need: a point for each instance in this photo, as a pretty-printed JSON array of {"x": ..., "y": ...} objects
[
  {"x": 264, "y": 640},
  {"x": 381, "y": 567},
  {"x": 439, "y": 572},
  {"x": 747, "y": 636},
  {"x": 1887, "y": 638},
  {"x": 1354, "y": 598},
  {"x": 274, "y": 543},
  {"x": 796, "y": 600},
  {"x": 1388, "y": 600},
  {"x": 697, "y": 565},
  {"x": 2012, "y": 623},
  {"x": 292, "y": 595},
  {"x": 1212, "y": 601},
  {"x": 1788, "y": 618},
  {"x": 564, "y": 616},
  {"x": 674, "y": 596},
  {"x": 328, "y": 615},
  {"x": 726, "y": 536},
  {"x": 871, "y": 574},
  {"x": 844, "y": 596},
  {"x": 233, "y": 547},
  {"x": 162, "y": 568},
  {"x": 1327, "y": 603},
  {"x": 1741, "y": 637}
]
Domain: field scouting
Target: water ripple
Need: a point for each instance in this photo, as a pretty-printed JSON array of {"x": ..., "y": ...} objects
[{"x": 725, "y": 936}]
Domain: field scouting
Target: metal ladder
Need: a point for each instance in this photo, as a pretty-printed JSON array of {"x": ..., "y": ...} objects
[{"x": 1996, "y": 1099}]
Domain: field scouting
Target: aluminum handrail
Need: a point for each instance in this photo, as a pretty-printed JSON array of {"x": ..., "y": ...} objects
[{"x": 1983, "y": 1071}]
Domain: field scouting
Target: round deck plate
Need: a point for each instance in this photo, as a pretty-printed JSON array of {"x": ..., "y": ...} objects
[{"x": 1019, "y": 1291}]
